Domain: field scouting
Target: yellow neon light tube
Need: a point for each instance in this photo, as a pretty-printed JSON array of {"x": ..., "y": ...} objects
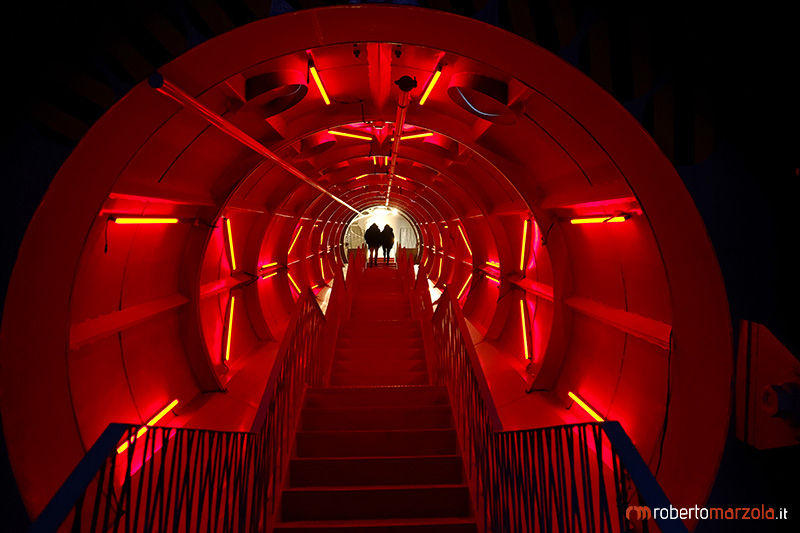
[
  {"x": 318, "y": 81},
  {"x": 586, "y": 407}
]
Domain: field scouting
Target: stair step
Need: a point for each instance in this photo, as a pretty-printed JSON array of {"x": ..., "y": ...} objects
[
  {"x": 327, "y": 472},
  {"x": 373, "y": 418},
  {"x": 378, "y": 354},
  {"x": 380, "y": 365},
  {"x": 398, "y": 341},
  {"x": 344, "y": 503},
  {"x": 384, "y": 443},
  {"x": 388, "y": 396},
  {"x": 369, "y": 312},
  {"x": 397, "y": 525},
  {"x": 364, "y": 326},
  {"x": 350, "y": 379}
]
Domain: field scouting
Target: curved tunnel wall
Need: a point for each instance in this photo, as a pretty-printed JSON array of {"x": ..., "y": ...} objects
[{"x": 93, "y": 335}]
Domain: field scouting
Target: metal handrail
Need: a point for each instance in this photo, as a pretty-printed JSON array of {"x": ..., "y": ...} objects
[
  {"x": 581, "y": 477},
  {"x": 200, "y": 479}
]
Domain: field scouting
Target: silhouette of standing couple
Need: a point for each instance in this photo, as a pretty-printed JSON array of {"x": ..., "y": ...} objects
[{"x": 379, "y": 239}]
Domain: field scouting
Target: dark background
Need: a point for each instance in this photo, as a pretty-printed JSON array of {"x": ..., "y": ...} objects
[{"x": 729, "y": 76}]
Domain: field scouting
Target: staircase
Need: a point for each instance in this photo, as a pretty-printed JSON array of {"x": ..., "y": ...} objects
[{"x": 377, "y": 449}]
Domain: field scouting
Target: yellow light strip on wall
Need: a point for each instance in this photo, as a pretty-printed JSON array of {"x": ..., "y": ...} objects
[
  {"x": 351, "y": 135},
  {"x": 230, "y": 330},
  {"x": 465, "y": 240},
  {"x": 321, "y": 87},
  {"x": 144, "y": 220},
  {"x": 296, "y": 235},
  {"x": 524, "y": 246},
  {"x": 461, "y": 292},
  {"x": 586, "y": 407},
  {"x": 597, "y": 220},
  {"x": 524, "y": 328},
  {"x": 161, "y": 414},
  {"x": 294, "y": 284},
  {"x": 430, "y": 86},
  {"x": 230, "y": 243}
]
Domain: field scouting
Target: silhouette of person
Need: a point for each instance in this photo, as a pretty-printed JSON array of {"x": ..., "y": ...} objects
[
  {"x": 373, "y": 238},
  {"x": 387, "y": 241}
]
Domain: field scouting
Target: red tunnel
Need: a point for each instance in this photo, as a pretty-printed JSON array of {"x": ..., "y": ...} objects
[{"x": 256, "y": 154}]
